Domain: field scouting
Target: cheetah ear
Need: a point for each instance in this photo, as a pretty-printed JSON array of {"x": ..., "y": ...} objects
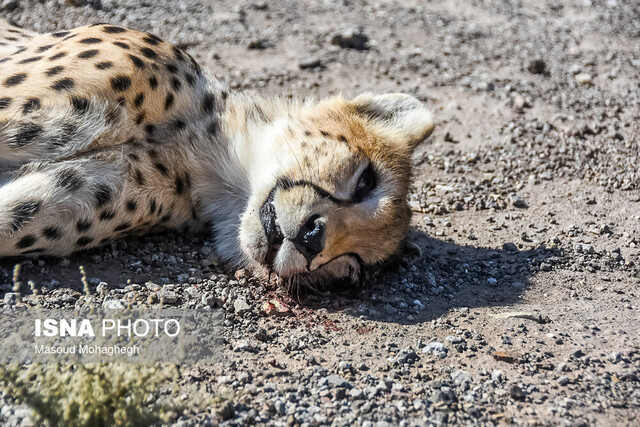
[{"x": 400, "y": 117}]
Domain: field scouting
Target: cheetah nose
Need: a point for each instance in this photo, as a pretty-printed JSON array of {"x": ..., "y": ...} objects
[{"x": 310, "y": 238}]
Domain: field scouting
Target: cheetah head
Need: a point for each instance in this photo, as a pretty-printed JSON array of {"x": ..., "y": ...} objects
[{"x": 333, "y": 198}]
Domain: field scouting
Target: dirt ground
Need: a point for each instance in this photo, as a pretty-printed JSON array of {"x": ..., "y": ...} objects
[{"x": 525, "y": 305}]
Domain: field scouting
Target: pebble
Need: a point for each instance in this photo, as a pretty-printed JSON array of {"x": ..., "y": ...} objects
[
  {"x": 113, "y": 304},
  {"x": 240, "y": 305},
  {"x": 510, "y": 247},
  {"x": 168, "y": 297},
  {"x": 352, "y": 38},
  {"x": 537, "y": 66},
  {"x": 11, "y": 298},
  {"x": 583, "y": 79},
  {"x": 436, "y": 348},
  {"x": 309, "y": 62},
  {"x": 517, "y": 393}
]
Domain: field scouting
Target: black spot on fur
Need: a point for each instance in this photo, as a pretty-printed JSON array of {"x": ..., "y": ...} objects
[
  {"x": 26, "y": 241},
  {"x": 139, "y": 177},
  {"x": 29, "y": 60},
  {"x": 104, "y": 65},
  {"x": 4, "y": 102},
  {"x": 150, "y": 129},
  {"x": 191, "y": 80},
  {"x": 84, "y": 241},
  {"x": 152, "y": 206},
  {"x": 54, "y": 70},
  {"x": 70, "y": 36},
  {"x": 120, "y": 83},
  {"x": 177, "y": 53},
  {"x": 139, "y": 63},
  {"x": 51, "y": 233},
  {"x": 122, "y": 227},
  {"x": 64, "y": 84},
  {"x": 140, "y": 118},
  {"x": 168, "y": 102},
  {"x": 31, "y": 105},
  {"x": 91, "y": 40},
  {"x": 139, "y": 100},
  {"x": 161, "y": 168},
  {"x": 15, "y": 80},
  {"x": 58, "y": 56},
  {"x": 166, "y": 218},
  {"x": 80, "y": 104},
  {"x": 179, "y": 183},
  {"x": 323, "y": 133},
  {"x": 153, "y": 82},
  {"x": 208, "y": 102},
  {"x": 175, "y": 82},
  {"x": 149, "y": 53},
  {"x": 44, "y": 48},
  {"x": 103, "y": 195},
  {"x": 60, "y": 34},
  {"x": 107, "y": 215},
  {"x": 152, "y": 40},
  {"x": 213, "y": 127},
  {"x": 131, "y": 205},
  {"x": 23, "y": 213},
  {"x": 307, "y": 133},
  {"x": 22, "y": 49},
  {"x": 122, "y": 45},
  {"x": 172, "y": 68},
  {"x": 69, "y": 179},
  {"x": 179, "y": 124},
  {"x": 113, "y": 30},
  {"x": 26, "y": 134},
  {"x": 88, "y": 54},
  {"x": 342, "y": 138},
  {"x": 83, "y": 225}
]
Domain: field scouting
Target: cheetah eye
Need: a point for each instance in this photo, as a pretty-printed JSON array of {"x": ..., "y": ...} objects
[{"x": 366, "y": 183}]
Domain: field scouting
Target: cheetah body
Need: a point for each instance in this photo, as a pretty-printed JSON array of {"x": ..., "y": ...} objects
[{"x": 106, "y": 131}]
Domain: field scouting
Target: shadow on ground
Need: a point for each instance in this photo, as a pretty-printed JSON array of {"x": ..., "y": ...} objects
[{"x": 447, "y": 276}]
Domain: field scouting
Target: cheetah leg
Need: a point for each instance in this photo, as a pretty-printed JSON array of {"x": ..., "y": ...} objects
[{"x": 59, "y": 208}]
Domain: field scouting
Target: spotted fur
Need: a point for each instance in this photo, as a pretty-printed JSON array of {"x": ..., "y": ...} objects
[{"x": 107, "y": 131}]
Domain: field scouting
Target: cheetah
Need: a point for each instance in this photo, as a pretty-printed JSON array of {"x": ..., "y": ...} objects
[{"x": 107, "y": 131}]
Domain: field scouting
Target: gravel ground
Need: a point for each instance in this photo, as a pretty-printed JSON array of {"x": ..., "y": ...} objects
[{"x": 525, "y": 306}]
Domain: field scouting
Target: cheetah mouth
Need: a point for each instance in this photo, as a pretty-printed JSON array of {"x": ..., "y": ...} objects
[{"x": 269, "y": 221}]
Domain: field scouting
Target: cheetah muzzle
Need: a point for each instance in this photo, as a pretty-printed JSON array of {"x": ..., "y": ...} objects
[{"x": 107, "y": 132}]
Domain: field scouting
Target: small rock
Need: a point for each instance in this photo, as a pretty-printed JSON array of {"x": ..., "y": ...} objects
[
  {"x": 517, "y": 201},
  {"x": 517, "y": 393},
  {"x": 356, "y": 393},
  {"x": 309, "y": 62},
  {"x": 492, "y": 281},
  {"x": 113, "y": 304},
  {"x": 168, "y": 297},
  {"x": 351, "y": 38},
  {"x": 510, "y": 247},
  {"x": 11, "y": 298},
  {"x": 563, "y": 380},
  {"x": 436, "y": 348},
  {"x": 337, "y": 381},
  {"x": 152, "y": 286},
  {"x": 243, "y": 345},
  {"x": 227, "y": 411},
  {"x": 583, "y": 79},
  {"x": 240, "y": 305},
  {"x": 537, "y": 66},
  {"x": 615, "y": 357}
]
